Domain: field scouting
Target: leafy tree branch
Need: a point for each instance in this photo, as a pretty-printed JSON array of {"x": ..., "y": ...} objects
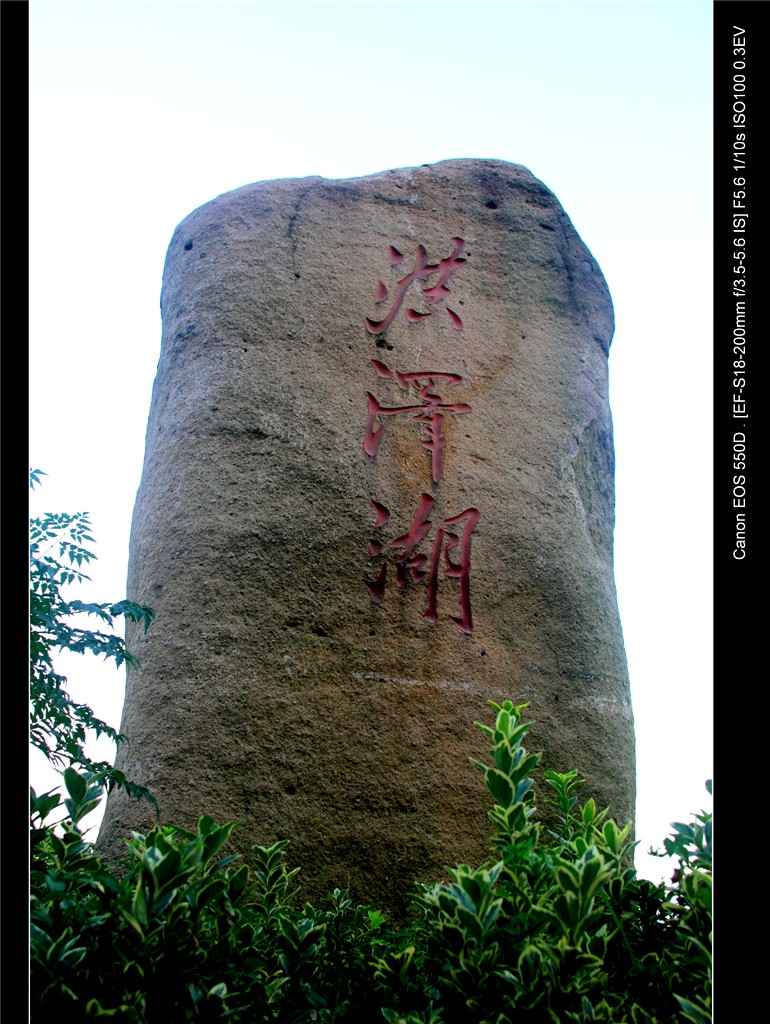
[{"x": 59, "y": 554}]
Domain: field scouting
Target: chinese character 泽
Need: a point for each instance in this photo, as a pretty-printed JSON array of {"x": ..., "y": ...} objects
[{"x": 430, "y": 412}]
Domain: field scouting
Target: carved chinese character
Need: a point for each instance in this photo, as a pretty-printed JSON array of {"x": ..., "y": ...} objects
[
  {"x": 422, "y": 271},
  {"x": 410, "y": 565},
  {"x": 430, "y": 412}
]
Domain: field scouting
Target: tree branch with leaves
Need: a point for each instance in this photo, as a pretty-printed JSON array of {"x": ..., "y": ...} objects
[{"x": 59, "y": 725}]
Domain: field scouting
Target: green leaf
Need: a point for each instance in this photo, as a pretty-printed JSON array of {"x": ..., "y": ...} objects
[
  {"x": 139, "y": 904},
  {"x": 77, "y": 787},
  {"x": 683, "y": 829},
  {"x": 44, "y": 804},
  {"x": 696, "y": 1014},
  {"x": 500, "y": 787},
  {"x": 376, "y": 919},
  {"x": 39, "y": 937}
]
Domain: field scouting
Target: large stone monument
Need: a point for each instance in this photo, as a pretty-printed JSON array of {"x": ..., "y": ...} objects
[{"x": 377, "y": 493}]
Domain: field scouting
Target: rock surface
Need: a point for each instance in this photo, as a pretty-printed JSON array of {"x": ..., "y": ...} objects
[{"x": 286, "y": 683}]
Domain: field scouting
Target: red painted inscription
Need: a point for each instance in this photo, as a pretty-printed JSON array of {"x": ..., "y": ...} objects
[
  {"x": 422, "y": 271},
  {"x": 411, "y": 565},
  {"x": 430, "y": 411}
]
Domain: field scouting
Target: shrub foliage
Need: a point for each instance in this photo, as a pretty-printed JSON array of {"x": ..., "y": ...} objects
[{"x": 554, "y": 928}]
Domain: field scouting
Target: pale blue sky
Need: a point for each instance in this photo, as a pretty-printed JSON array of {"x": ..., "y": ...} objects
[{"x": 139, "y": 112}]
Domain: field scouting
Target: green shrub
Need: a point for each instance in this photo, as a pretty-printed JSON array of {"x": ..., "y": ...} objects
[
  {"x": 554, "y": 929},
  {"x": 551, "y": 929}
]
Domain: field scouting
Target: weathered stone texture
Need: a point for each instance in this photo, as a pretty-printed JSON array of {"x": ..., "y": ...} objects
[{"x": 272, "y": 689}]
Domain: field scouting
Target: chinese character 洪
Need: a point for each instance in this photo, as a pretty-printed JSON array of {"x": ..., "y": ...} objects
[{"x": 422, "y": 271}]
